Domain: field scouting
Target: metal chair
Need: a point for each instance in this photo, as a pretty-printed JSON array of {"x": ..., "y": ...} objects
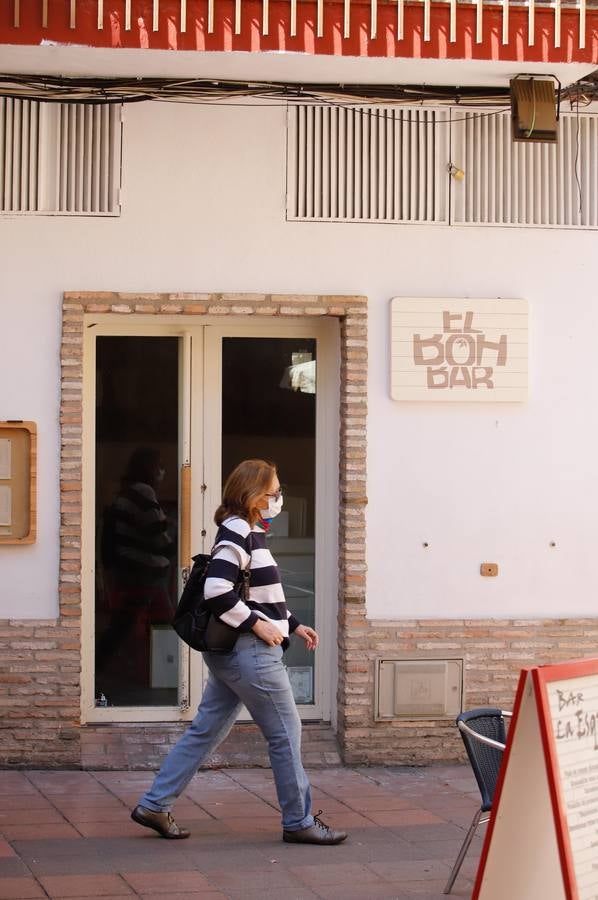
[{"x": 484, "y": 735}]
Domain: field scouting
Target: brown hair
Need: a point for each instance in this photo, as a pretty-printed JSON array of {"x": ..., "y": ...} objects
[{"x": 244, "y": 486}]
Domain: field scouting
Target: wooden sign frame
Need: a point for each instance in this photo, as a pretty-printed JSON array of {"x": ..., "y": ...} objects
[
  {"x": 18, "y": 482},
  {"x": 542, "y": 839}
]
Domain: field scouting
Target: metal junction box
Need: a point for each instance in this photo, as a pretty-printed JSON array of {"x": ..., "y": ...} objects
[{"x": 418, "y": 688}]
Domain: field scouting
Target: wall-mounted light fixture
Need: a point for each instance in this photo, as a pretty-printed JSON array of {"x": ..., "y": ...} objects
[{"x": 535, "y": 108}]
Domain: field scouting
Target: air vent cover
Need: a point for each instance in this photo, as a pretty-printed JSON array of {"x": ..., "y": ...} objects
[
  {"x": 59, "y": 158},
  {"x": 368, "y": 164},
  {"x": 418, "y": 688}
]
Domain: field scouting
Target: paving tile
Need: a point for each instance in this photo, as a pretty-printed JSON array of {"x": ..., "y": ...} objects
[
  {"x": 65, "y": 782},
  {"x": 354, "y": 850},
  {"x": 34, "y": 800},
  {"x": 32, "y": 831},
  {"x": 248, "y": 826},
  {"x": 433, "y": 885},
  {"x": 329, "y": 805},
  {"x": 92, "y": 801},
  {"x": 64, "y": 886},
  {"x": 13, "y": 867},
  {"x": 224, "y": 857},
  {"x": 193, "y": 895},
  {"x": 440, "y": 850},
  {"x": 75, "y": 864},
  {"x": 20, "y": 889},
  {"x": 125, "y": 828},
  {"x": 403, "y": 817},
  {"x": 10, "y": 778},
  {"x": 369, "y": 804},
  {"x": 92, "y": 813},
  {"x": 268, "y": 879},
  {"x": 348, "y": 820},
  {"x": 442, "y": 831},
  {"x": 290, "y": 892},
  {"x": 167, "y": 883},
  {"x": 223, "y": 809},
  {"x": 27, "y": 816},
  {"x": 359, "y": 892},
  {"x": 411, "y": 870},
  {"x": 5, "y": 849},
  {"x": 103, "y": 896},
  {"x": 347, "y": 873}
]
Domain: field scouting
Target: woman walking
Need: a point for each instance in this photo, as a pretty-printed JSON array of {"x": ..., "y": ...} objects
[{"x": 253, "y": 673}]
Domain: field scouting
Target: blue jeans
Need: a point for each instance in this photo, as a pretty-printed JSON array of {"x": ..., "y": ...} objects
[{"x": 253, "y": 674}]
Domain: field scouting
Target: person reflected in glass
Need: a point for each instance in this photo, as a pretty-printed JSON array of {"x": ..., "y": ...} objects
[
  {"x": 137, "y": 553},
  {"x": 253, "y": 673}
]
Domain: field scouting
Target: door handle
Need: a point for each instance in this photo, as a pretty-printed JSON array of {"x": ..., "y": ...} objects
[{"x": 186, "y": 517}]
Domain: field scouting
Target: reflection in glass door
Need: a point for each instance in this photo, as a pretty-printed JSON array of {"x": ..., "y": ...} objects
[
  {"x": 137, "y": 511},
  {"x": 269, "y": 411}
]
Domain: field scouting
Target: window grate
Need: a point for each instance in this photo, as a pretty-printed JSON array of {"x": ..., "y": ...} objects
[
  {"x": 367, "y": 164},
  {"x": 391, "y": 165},
  {"x": 59, "y": 158},
  {"x": 535, "y": 184}
]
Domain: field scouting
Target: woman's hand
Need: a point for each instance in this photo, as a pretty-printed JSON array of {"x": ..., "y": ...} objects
[
  {"x": 308, "y": 635},
  {"x": 267, "y": 632}
]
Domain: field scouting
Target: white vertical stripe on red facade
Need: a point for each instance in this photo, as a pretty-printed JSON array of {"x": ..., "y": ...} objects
[{"x": 179, "y": 22}]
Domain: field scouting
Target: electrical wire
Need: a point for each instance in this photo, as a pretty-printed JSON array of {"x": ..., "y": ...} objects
[{"x": 125, "y": 90}]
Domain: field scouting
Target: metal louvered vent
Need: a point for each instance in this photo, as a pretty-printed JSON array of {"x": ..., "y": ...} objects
[
  {"x": 507, "y": 183},
  {"x": 62, "y": 159},
  {"x": 368, "y": 164}
]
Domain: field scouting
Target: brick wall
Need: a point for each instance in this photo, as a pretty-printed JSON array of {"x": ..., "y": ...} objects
[
  {"x": 40, "y": 661},
  {"x": 144, "y": 747},
  {"x": 39, "y": 692},
  {"x": 494, "y": 651}
]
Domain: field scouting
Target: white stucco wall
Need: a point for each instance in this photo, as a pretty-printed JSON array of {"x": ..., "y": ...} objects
[{"x": 204, "y": 211}]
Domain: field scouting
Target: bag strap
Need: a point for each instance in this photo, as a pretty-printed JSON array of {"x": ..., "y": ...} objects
[{"x": 245, "y": 574}]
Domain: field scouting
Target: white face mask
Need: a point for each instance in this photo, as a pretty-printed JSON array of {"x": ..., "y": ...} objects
[{"x": 274, "y": 507}]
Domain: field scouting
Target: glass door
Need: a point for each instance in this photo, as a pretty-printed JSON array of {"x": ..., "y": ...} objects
[
  {"x": 270, "y": 393},
  {"x": 169, "y": 411},
  {"x": 272, "y": 415},
  {"x": 137, "y": 514}
]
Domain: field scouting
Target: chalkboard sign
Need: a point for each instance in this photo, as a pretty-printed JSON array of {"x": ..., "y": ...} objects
[{"x": 542, "y": 840}]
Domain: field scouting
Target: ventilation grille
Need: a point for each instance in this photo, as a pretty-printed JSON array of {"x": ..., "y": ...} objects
[
  {"x": 381, "y": 164},
  {"x": 368, "y": 164},
  {"x": 59, "y": 158},
  {"x": 512, "y": 183}
]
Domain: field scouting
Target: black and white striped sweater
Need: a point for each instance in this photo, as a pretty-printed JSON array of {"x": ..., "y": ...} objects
[{"x": 239, "y": 546}]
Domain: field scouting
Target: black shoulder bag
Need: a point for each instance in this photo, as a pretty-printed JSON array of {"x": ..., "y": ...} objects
[{"x": 193, "y": 621}]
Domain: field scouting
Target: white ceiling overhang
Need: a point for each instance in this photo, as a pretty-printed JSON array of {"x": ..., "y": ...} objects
[{"x": 71, "y": 60}]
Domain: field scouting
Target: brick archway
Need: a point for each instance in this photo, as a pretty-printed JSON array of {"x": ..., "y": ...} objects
[{"x": 101, "y": 745}]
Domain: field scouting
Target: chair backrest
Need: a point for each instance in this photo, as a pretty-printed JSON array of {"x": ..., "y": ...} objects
[{"x": 485, "y": 760}]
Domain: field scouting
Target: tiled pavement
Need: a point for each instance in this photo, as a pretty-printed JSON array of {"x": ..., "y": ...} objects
[{"x": 68, "y": 835}]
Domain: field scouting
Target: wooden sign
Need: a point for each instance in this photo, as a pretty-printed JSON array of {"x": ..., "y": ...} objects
[
  {"x": 458, "y": 349},
  {"x": 542, "y": 840},
  {"x": 18, "y": 451}
]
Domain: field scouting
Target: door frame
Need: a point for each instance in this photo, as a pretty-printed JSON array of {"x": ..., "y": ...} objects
[{"x": 196, "y": 368}]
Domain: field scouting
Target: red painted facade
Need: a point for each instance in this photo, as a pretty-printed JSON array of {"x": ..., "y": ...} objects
[{"x": 22, "y": 24}]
